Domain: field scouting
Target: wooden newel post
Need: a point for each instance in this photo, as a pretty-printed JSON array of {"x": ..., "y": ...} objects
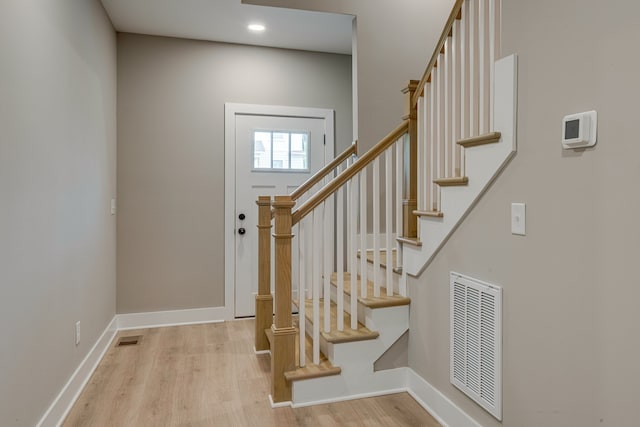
[
  {"x": 284, "y": 334},
  {"x": 410, "y": 198},
  {"x": 264, "y": 299}
]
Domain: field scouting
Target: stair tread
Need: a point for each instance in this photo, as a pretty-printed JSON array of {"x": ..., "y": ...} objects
[
  {"x": 383, "y": 257},
  {"x": 487, "y": 138},
  {"x": 370, "y": 301},
  {"x": 453, "y": 181},
  {"x": 310, "y": 370},
  {"x": 434, "y": 213},
  {"x": 410, "y": 240},
  {"x": 336, "y": 336}
]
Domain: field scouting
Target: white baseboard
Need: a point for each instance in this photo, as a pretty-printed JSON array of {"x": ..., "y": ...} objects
[
  {"x": 437, "y": 404},
  {"x": 157, "y": 319},
  {"x": 63, "y": 403},
  {"x": 286, "y": 404}
]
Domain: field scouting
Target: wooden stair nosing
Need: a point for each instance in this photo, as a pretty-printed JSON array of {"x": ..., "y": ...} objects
[
  {"x": 488, "y": 138},
  {"x": 451, "y": 182},
  {"x": 433, "y": 214},
  {"x": 335, "y": 336},
  {"x": 410, "y": 241},
  {"x": 310, "y": 370},
  {"x": 370, "y": 301}
]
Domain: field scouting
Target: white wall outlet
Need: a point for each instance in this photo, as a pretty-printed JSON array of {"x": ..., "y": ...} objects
[
  {"x": 113, "y": 206},
  {"x": 518, "y": 219},
  {"x": 77, "y": 332}
]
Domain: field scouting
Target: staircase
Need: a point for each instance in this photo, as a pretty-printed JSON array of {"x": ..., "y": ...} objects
[{"x": 363, "y": 223}]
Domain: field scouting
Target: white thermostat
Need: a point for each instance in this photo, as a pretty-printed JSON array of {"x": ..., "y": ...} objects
[{"x": 579, "y": 130}]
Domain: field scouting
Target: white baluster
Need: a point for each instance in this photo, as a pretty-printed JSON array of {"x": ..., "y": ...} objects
[
  {"x": 388, "y": 214},
  {"x": 316, "y": 255},
  {"x": 465, "y": 80},
  {"x": 440, "y": 84},
  {"x": 399, "y": 196},
  {"x": 423, "y": 145},
  {"x": 353, "y": 259},
  {"x": 433, "y": 142},
  {"x": 448, "y": 80},
  {"x": 420, "y": 153},
  {"x": 483, "y": 56},
  {"x": 340, "y": 219},
  {"x": 363, "y": 233},
  {"x": 456, "y": 61},
  {"x": 376, "y": 226},
  {"x": 326, "y": 269},
  {"x": 302, "y": 261},
  {"x": 474, "y": 64},
  {"x": 494, "y": 52}
]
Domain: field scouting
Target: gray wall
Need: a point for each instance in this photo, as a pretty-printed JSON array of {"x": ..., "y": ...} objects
[
  {"x": 570, "y": 294},
  {"x": 57, "y": 176},
  {"x": 171, "y": 96},
  {"x": 395, "y": 40}
]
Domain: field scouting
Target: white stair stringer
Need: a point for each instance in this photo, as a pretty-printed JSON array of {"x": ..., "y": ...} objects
[
  {"x": 483, "y": 165},
  {"x": 356, "y": 360}
]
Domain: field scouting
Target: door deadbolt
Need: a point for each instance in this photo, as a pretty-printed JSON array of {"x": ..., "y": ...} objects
[
  {"x": 241, "y": 231},
  {"x": 241, "y": 216}
]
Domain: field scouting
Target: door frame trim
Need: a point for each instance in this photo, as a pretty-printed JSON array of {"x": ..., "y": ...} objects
[{"x": 231, "y": 110}]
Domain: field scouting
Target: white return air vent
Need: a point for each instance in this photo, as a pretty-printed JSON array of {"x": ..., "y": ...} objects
[{"x": 476, "y": 341}]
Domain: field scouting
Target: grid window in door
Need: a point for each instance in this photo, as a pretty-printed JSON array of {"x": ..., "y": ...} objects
[{"x": 280, "y": 150}]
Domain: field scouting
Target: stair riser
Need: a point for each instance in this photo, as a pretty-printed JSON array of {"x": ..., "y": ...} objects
[
  {"x": 382, "y": 277},
  {"x": 391, "y": 322},
  {"x": 347, "y": 303},
  {"x": 325, "y": 346}
]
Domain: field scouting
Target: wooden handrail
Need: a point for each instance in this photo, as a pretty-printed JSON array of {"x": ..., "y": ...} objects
[
  {"x": 455, "y": 14},
  {"x": 306, "y": 186},
  {"x": 349, "y": 173}
]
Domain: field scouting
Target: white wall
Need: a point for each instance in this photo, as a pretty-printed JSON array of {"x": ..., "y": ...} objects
[
  {"x": 171, "y": 96},
  {"x": 57, "y": 176},
  {"x": 570, "y": 288}
]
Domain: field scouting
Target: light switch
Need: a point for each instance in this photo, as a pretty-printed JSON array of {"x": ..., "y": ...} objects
[
  {"x": 518, "y": 219},
  {"x": 113, "y": 206}
]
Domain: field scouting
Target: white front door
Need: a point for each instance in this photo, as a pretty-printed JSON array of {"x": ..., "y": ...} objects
[{"x": 273, "y": 155}]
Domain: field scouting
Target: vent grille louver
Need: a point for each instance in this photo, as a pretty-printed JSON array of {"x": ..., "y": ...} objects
[{"x": 476, "y": 341}]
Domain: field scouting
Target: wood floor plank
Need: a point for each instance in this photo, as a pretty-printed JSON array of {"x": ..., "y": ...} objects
[{"x": 208, "y": 375}]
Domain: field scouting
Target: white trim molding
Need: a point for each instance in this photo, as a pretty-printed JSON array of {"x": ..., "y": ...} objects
[
  {"x": 230, "y": 112},
  {"x": 437, "y": 404},
  {"x": 65, "y": 400},
  {"x": 157, "y": 319}
]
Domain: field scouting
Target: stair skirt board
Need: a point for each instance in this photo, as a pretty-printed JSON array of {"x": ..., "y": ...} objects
[
  {"x": 483, "y": 165},
  {"x": 355, "y": 384}
]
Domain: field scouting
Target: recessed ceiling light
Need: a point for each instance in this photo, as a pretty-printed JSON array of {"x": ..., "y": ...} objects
[{"x": 256, "y": 27}]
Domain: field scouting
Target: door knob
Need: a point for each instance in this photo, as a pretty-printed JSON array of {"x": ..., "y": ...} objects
[
  {"x": 241, "y": 217},
  {"x": 241, "y": 231}
]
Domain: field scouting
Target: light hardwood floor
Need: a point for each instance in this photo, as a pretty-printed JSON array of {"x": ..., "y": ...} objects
[{"x": 208, "y": 375}]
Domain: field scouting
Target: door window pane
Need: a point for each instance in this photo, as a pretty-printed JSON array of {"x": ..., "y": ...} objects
[
  {"x": 281, "y": 150},
  {"x": 262, "y": 150}
]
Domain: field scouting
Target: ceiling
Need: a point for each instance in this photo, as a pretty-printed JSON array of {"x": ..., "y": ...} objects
[{"x": 227, "y": 20}]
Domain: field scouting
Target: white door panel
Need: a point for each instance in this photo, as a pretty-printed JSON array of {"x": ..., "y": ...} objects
[{"x": 252, "y": 181}]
